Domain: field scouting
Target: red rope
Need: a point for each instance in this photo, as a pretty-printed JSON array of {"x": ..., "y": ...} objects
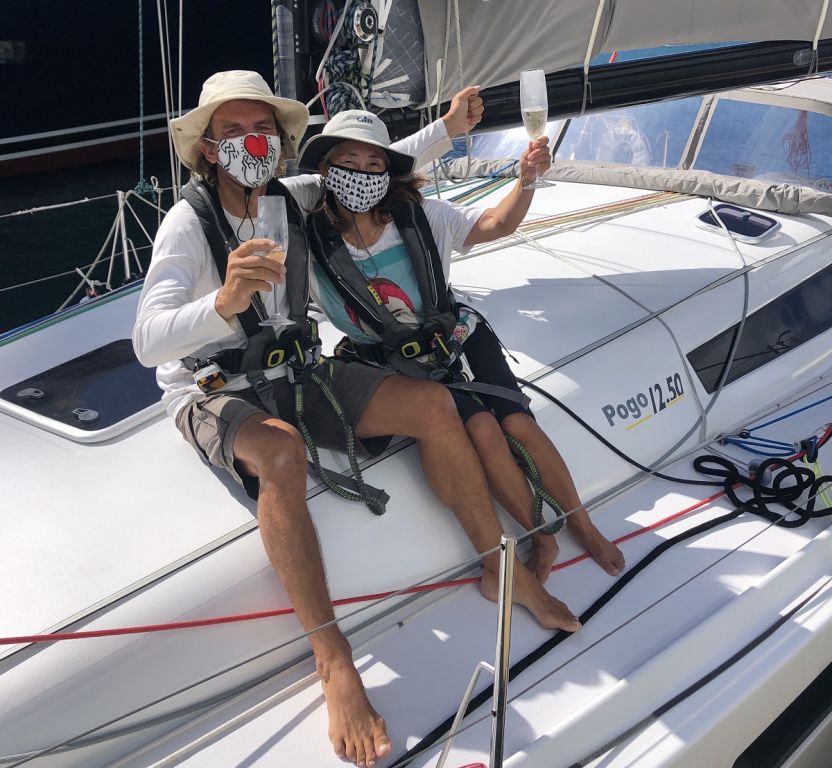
[{"x": 54, "y": 637}]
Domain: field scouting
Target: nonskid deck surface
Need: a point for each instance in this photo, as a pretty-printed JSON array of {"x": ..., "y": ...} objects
[{"x": 416, "y": 667}]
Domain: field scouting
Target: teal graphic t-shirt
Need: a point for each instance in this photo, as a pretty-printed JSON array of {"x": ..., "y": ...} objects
[
  {"x": 387, "y": 267},
  {"x": 391, "y": 275}
]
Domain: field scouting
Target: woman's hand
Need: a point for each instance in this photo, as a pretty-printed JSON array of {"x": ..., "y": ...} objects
[
  {"x": 465, "y": 111},
  {"x": 535, "y": 161}
]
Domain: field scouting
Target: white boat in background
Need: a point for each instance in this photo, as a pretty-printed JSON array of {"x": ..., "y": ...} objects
[{"x": 658, "y": 313}]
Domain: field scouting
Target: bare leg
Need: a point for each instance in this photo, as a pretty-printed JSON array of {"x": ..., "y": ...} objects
[
  {"x": 558, "y": 482},
  {"x": 273, "y": 451},
  {"x": 510, "y": 486},
  {"x": 456, "y": 476}
]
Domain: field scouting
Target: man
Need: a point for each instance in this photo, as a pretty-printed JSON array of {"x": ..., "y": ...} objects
[{"x": 245, "y": 422}]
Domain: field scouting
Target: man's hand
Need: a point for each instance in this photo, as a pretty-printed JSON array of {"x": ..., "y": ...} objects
[
  {"x": 465, "y": 111},
  {"x": 248, "y": 271},
  {"x": 536, "y": 160}
]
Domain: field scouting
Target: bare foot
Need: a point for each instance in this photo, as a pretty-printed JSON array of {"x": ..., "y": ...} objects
[
  {"x": 548, "y": 611},
  {"x": 602, "y": 550},
  {"x": 542, "y": 558},
  {"x": 356, "y": 730}
]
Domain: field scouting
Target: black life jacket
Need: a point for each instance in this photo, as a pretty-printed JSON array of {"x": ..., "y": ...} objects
[
  {"x": 264, "y": 350},
  {"x": 399, "y": 343}
]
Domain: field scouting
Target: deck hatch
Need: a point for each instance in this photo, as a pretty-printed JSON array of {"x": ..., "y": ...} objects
[
  {"x": 90, "y": 392},
  {"x": 780, "y": 326},
  {"x": 745, "y": 225}
]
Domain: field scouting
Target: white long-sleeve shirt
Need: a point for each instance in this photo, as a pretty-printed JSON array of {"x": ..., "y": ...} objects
[{"x": 177, "y": 316}]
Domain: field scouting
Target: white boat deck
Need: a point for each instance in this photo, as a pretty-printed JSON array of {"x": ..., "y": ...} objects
[
  {"x": 667, "y": 629},
  {"x": 136, "y": 514}
]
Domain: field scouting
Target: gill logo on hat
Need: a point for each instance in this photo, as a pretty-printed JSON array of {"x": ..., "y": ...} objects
[{"x": 364, "y": 119}]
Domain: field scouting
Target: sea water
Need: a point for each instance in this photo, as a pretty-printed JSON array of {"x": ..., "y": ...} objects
[{"x": 45, "y": 243}]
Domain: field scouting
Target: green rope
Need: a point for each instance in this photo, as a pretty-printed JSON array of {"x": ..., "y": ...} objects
[
  {"x": 815, "y": 468},
  {"x": 376, "y": 506},
  {"x": 527, "y": 464},
  {"x": 143, "y": 187}
]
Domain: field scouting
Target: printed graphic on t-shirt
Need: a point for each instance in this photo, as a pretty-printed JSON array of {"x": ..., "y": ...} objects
[
  {"x": 397, "y": 302},
  {"x": 390, "y": 275}
]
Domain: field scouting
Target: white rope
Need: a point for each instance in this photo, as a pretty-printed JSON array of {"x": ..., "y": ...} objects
[
  {"x": 816, "y": 38},
  {"x": 335, "y": 32},
  {"x": 599, "y": 12},
  {"x": 181, "y": 52},
  {"x": 163, "y": 48},
  {"x": 440, "y": 84}
]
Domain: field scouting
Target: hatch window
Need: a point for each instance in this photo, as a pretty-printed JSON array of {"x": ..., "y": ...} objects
[
  {"x": 91, "y": 392},
  {"x": 745, "y": 225}
]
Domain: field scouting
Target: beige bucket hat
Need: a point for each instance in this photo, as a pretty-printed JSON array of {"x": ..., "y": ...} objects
[
  {"x": 353, "y": 125},
  {"x": 187, "y": 130}
]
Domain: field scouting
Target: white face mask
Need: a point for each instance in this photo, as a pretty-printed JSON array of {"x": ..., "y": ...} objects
[
  {"x": 357, "y": 191},
  {"x": 250, "y": 159}
]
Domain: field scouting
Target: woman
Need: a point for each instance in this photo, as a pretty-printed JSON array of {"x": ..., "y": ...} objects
[{"x": 382, "y": 257}]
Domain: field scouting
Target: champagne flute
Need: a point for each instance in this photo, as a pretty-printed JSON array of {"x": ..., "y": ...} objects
[
  {"x": 534, "y": 107},
  {"x": 271, "y": 223}
]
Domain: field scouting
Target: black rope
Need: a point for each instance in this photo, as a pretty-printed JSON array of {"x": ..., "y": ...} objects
[
  {"x": 608, "y": 444},
  {"x": 777, "y": 492}
]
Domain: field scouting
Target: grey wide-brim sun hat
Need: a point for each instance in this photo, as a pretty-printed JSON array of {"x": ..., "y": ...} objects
[
  {"x": 188, "y": 130},
  {"x": 353, "y": 125}
]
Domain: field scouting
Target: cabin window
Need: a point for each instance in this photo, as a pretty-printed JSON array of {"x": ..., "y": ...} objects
[
  {"x": 91, "y": 392},
  {"x": 507, "y": 144},
  {"x": 783, "y": 145},
  {"x": 780, "y": 326},
  {"x": 648, "y": 135}
]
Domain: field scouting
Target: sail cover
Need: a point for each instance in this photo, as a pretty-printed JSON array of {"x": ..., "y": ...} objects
[{"x": 499, "y": 38}]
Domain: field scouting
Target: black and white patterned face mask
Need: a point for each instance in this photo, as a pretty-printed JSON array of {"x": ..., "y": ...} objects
[{"x": 357, "y": 191}]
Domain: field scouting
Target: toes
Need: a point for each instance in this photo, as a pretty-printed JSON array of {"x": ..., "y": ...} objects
[
  {"x": 340, "y": 747},
  {"x": 359, "y": 757},
  {"x": 382, "y": 745},
  {"x": 351, "y": 752},
  {"x": 370, "y": 752}
]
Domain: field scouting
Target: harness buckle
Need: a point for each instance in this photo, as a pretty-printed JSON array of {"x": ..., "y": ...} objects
[
  {"x": 411, "y": 349},
  {"x": 209, "y": 377},
  {"x": 303, "y": 360}
]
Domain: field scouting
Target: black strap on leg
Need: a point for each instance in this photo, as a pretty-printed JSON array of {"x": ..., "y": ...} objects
[
  {"x": 349, "y": 488},
  {"x": 491, "y": 389},
  {"x": 264, "y": 390}
]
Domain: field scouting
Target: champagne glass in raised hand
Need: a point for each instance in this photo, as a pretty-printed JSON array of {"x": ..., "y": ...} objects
[
  {"x": 534, "y": 107},
  {"x": 271, "y": 223}
]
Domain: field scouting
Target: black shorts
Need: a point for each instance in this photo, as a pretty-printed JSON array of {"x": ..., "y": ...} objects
[{"x": 488, "y": 365}]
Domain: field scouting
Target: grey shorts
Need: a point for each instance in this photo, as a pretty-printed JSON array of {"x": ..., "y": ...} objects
[{"x": 210, "y": 424}]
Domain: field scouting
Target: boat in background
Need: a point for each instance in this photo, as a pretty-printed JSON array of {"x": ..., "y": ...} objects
[{"x": 656, "y": 312}]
